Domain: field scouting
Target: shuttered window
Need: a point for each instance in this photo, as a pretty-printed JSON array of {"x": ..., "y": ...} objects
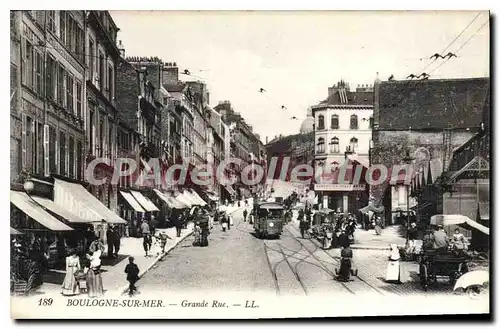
[
  {"x": 13, "y": 86},
  {"x": 60, "y": 85},
  {"x": 39, "y": 148}
]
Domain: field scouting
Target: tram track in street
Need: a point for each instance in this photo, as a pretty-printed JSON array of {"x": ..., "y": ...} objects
[{"x": 344, "y": 284}]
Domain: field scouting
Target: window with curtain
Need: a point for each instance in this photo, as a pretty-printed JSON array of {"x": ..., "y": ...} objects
[
  {"x": 71, "y": 157},
  {"x": 79, "y": 151},
  {"x": 69, "y": 92},
  {"x": 334, "y": 145},
  {"x": 79, "y": 99},
  {"x": 321, "y": 145},
  {"x": 62, "y": 153},
  {"x": 52, "y": 150},
  {"x": 321, "y": 122},
  {"x": 354, "y": 122},
  {"x": 334, "y": 124},
  {"x": 353, "y": 144}
]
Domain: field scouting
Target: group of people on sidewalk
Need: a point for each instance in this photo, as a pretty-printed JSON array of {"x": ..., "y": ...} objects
[{"x": 87, "y": 277}]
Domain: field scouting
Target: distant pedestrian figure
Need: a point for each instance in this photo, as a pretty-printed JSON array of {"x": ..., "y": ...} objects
[
  {"x": 110, "y": 236},
  {"x": 146, "y": 243},
  {"x": 393, "y": 267},
  {"x": 245, "y": 213},
  {"x": 132, "y": 275},
  {"x": 197, "y": 234},
  {"x": 117, "y": 240},
  {"x": 378, "y": 226},
  {"x": 224, "y": 221}
]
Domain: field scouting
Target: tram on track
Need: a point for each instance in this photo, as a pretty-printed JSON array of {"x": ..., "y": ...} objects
[{"x": 269, "y": 218}]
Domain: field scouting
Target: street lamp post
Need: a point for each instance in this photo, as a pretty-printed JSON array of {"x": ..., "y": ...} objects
[{"x": 407, "y": 160}]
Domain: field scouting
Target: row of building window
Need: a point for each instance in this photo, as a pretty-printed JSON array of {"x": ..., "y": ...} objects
[
  {"x": 334, "y": 145},
  {"x": 334, "y": 122},
  {"x": 65, "y": 153},
  {"x": 105, "y": 76},
  {"x": 63, "y": 88}
]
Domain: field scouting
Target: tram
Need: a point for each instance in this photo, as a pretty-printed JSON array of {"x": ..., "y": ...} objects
[{"x": 269, "y": 218}]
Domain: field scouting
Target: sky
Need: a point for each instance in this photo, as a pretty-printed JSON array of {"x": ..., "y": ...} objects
[{"x": 295, "y": 56}]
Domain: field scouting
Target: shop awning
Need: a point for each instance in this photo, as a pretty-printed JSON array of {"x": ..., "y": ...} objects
[
  {"x": 22, "y": 201},
  {"x": 13, "y": 231},
  {"x": 170, "y": 201},
  {"x": 144, "y": 202},
  {"x": 61, "y": 211},
  {"x": 184, "y": 200},
  {"x": 131, "y": 201},
  {"x": 76, "y": 199},
  {"x": 197, "y": 197},
  {"x": 229, "y": 189},
  {"x": 190, "y": 197},
  {"x": 212, "y": 196}
]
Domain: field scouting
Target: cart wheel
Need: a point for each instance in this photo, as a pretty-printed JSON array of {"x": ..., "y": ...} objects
[{"x": 424, "y": 277}]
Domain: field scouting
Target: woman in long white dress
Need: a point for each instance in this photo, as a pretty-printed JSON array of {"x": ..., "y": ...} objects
[
  {"x": 393, "y": 273},
  {"x": 70, "y": 284},
  {"x": 94, "y": 278}
]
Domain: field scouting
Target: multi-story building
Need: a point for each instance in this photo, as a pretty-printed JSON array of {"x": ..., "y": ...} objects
[
  {"x": 102, "y": 115},
  {"x": 47, "y": 93},
  {"x": 343, "y": 123},
  {"x": 140, "y": 106},
  {"x": 427, "y": 120},
  {"x": 200, "y": 124}
]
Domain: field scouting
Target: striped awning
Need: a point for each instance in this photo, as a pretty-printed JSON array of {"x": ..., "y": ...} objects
[
  {"x": 197, "y": 198},
  {"x": 131, "y": 201},
  {"x": 61, "y": 211},
  {"x": 184, "y": 200},
  {"x": 28, "y": 206},
  {"x": 76, "y": 199},
  {"x": 144, "y": 202},
  {"x": 170, "y": 201}
]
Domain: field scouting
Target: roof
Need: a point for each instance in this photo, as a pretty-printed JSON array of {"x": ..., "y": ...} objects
[
  {"x": 353, "y": 98},
  {"x": 435, "y": 103}
]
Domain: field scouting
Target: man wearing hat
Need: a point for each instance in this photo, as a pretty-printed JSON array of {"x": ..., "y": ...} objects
[{"x": 440, "y": 240}]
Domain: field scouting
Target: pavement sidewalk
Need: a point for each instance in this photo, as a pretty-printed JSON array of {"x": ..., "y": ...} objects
[
  {"x": 113, "y": 276},
  {"x": 369, "y": 240}
]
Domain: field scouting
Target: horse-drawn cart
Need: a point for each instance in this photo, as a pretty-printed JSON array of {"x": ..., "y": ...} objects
[{"x": 433, "y": 264}]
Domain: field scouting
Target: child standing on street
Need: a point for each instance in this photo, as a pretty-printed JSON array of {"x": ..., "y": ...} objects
[
  {"x": 132, "y": 275},
  {"x": 163, "y": 237}
]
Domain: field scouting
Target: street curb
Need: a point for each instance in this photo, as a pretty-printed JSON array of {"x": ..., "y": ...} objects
[
  {"x": 361, "y": 247},
  {"x": 158, "y": 258}
]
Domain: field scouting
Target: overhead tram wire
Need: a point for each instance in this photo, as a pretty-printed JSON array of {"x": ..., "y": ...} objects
[
  {"x": 246, "y": 87},
  {"x": 418, "y": 82},
  {"x": 463, "y": 45}
]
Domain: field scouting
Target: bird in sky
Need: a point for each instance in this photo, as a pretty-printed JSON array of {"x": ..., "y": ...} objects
[
  {"x": 283, "y": 107},
  {"x": 262, "y": 90},
  {"x": 449, "y": 55},
  {"x": 423, "y": 75},
  {"x": 186, "y": 72},
  {"x": 391, "y": 77},
  {"x": 411, "y": 76},
  {"x": 436, "y": 56},
  {"x": 294, "y": 118}
]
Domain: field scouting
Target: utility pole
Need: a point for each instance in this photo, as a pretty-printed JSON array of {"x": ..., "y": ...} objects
[{"x": 408, "y": 161}]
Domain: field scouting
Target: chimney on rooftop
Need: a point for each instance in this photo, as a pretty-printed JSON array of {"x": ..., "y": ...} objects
[
  {"x": 121, "y": 48},
  {"x": 170, "y": 73}
]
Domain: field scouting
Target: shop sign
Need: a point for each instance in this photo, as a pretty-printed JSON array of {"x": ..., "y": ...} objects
[{"x": 339, "y": 187}]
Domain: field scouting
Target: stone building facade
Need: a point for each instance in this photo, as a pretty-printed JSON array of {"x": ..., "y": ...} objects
[
  {"x": 102, "y": 58},
  {"x": 427, "y": 119},
  {"x": 342, "y": 123}
]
